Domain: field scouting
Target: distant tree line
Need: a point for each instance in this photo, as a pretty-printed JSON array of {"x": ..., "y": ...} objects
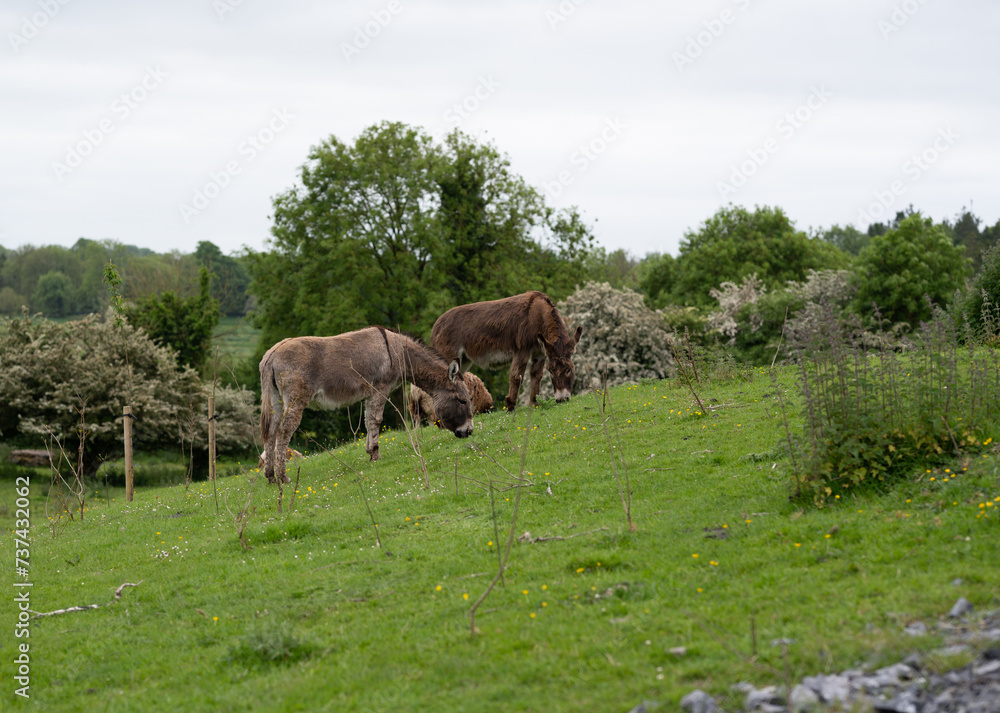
[{"x": 64, "y": 282}]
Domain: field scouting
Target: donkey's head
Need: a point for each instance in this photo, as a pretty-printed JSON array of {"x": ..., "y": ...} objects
[
  {"x": 452, "y": 404},
  {"x": 560, "y": 354}
]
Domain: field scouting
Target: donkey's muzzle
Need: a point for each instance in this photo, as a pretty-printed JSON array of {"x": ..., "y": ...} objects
[{"x": 464, "y": 431}]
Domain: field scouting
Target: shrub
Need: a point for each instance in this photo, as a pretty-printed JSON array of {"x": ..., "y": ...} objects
[
  {"x": 620, "y": 334},
  {"x": 732, "y": 298},
  {"x": 183, "y": 325},
  {"x": 760, "y": 319},
  {"x": 898, "y": 270},
  {"x": 874, "y": 415},
  {"x": 982, "y": 300}
]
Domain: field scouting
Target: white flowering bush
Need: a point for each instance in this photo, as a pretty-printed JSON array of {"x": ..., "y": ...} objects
[
  {"x": 620, "y": 334},
  {"x": 732, "y": 298},
  {"x": 52, "y": 371}
]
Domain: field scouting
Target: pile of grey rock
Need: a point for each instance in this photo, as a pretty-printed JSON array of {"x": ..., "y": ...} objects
[{"x": 904, "y": 687}]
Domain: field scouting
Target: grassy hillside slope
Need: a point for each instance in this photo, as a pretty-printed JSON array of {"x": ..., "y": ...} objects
[{"x": 316, "y": 616}]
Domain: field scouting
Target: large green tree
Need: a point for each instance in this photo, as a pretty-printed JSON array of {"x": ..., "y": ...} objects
[
  {"x": 736, "y": 243},
  {"x": 901, "y": 269},
  {"x": 395, "y": 229}
]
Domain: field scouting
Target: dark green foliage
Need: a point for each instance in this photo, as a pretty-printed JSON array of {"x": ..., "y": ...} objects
[
  {"x": 657, "y": 281},
  {"x": 875, "y": 229},
  {"x": 183, "y": 325},
  {"x": 847, "y": 238},
  {"x": 736, "y": 243},
  {"x": 10, "y": 301},
  {"x": 394, "y": 230},
  {"x": 57, "y": 281},
  {"x": 229, "y": 278},
  {"x": 799, "y": 306},
  {"x": 618, "y": 268},
  {"x": 759, "y": 345},
  {"x": 874, "y": 415},
  {"x": 979, "y": 307},
  {"x": 901, "y": 269},
  {"x": 54, "y": 294}
]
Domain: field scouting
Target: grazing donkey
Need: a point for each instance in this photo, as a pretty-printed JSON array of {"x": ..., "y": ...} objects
[
  {"x": 516, "y": 329},
  {"x": 422, "y": 404},
  {"x": 342, "y": 370}
]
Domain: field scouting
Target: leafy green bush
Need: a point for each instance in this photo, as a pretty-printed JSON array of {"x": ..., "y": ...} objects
[
  {"x": 736, "y": 243},
  {"x": 183, "y": 325},
  {"x": 981, "y": 302},
  {"x": 899, "y": 270},
  {"x": 762, "y": 322}
]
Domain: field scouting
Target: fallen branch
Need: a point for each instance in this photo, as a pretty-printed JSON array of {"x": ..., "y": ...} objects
[
  {"x": 118, "y": 592},
  {"x": 85, "y": 607}
]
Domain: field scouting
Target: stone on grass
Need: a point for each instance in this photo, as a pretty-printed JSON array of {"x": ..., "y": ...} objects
[
  {"x": 962, "y": 607},
  {"x": 698, "y": 701},
  {"x": 803, "y": 699}
]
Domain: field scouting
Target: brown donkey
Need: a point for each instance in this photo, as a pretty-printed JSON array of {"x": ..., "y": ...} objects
[
  {"x": 512, "y": 330},
  {"x": 338, "y": 371},
  {"x": 421, "y": 404}
]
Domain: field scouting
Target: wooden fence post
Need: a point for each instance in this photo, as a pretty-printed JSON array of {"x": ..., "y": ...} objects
[
  {"x": 129, "y": 468},
  {"x": 211, "y": 438}
]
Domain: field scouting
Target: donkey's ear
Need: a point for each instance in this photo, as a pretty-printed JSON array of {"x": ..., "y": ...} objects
[
  {"x": 579, "y": 333},
  {"x": 453, "y": 371}
]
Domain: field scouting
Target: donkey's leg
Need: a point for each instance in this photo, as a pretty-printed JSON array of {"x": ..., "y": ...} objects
[
  {"x": 272, "y": 423},
  {"x": 516, "y": 377},
  {"x": 373, "y": 422},
  {"x": 535, "y": 385},
  {"x": 289, "y": 423}
]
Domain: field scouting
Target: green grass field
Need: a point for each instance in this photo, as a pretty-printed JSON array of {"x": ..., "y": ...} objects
[
  {"x": 235, "y": 337},
  {"x": 316, "y": 616}
]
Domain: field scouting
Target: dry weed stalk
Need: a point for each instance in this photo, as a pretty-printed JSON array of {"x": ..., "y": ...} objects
[
  {"x": 242, "y": 518},
  {"x": 617, "y": 453},
  {"x": 364, "y": 495},
  {"x": 60, "y": 489},
  {"x": 518, "y": 488},
  {"x": 682, "y": 369}
]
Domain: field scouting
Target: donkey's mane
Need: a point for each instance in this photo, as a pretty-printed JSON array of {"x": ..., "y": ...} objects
[{"x": 424, "y": 346}]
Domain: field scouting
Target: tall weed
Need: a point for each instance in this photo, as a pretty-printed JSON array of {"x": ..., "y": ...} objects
[{"x": 878, "y": 408}]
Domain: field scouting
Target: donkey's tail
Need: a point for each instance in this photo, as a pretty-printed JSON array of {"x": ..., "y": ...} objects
[{"x": 268, "y": 398}]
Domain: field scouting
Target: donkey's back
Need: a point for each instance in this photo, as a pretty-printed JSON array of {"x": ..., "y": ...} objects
[{"x": 336, "y": 371}]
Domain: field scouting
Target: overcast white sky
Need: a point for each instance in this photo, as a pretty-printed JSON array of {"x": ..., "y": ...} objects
[{"x": 114, "y": 115}]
